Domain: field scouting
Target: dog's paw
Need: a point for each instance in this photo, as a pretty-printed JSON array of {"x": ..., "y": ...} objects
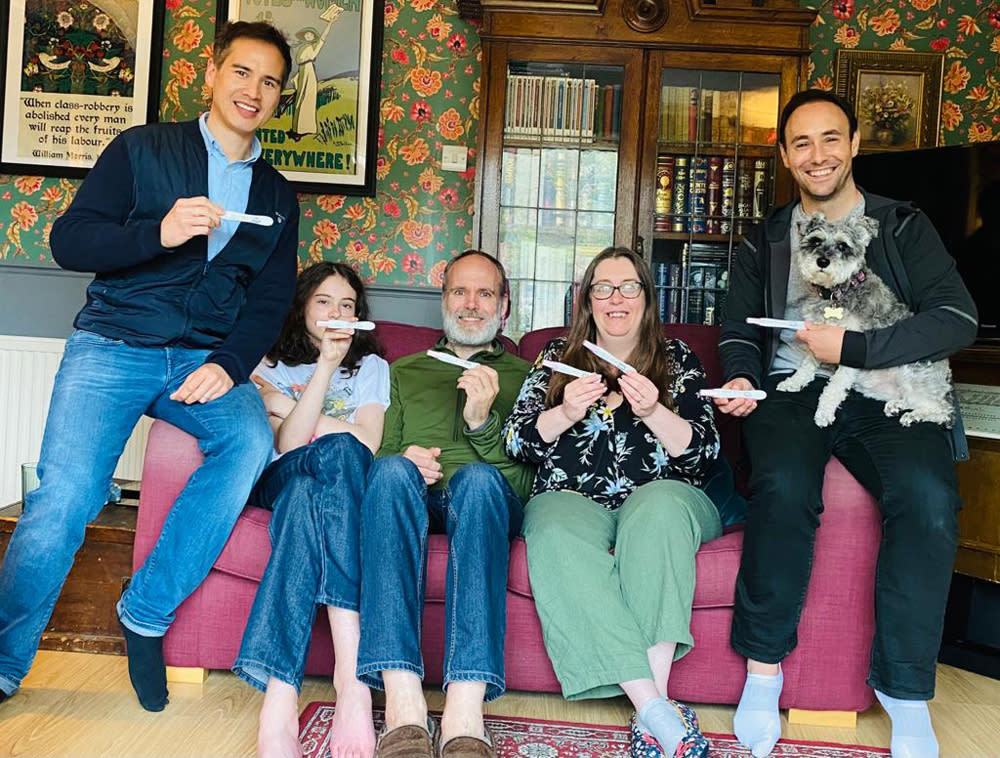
[
  {"x": 892, "y": 409},
  {"x": 791, "y": 384},
  {"x": 824, "y": 417},
  {"x": 909, "y": 419}
]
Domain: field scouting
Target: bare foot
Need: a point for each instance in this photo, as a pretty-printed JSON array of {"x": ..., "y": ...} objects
[
  {"x": 352, "y": 734},
  {"x": 278, "y": 733}
]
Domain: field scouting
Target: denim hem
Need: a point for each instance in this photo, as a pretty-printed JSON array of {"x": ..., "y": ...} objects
[
  {"x": 336, "y": 602},
  {"x": 241, "y": 666},
  {"x": 747, "y": 652},
  {"x": 371, "y": 673},
  {"x": 495, "y": 685},
  {"x": 898, "y": 692},
  {"x": 134, "y": 626},
  {"x": 8, "y": 686}
]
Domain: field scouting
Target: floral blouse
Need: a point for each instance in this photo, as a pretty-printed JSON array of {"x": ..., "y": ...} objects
[{"x": 609, "y": 453}]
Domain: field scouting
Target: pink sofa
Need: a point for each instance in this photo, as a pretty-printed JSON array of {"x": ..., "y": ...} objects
[{"x": 826, "y": 672}]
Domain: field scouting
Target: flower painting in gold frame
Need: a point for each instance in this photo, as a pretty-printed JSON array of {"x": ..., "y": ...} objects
[{"x": 896, "y": 97}]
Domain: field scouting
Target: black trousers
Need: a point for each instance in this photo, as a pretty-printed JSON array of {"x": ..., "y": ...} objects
[{"x": 909, "y": 470}]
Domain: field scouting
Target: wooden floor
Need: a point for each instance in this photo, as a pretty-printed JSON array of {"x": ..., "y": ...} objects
[{"x": 81, "y": 705}]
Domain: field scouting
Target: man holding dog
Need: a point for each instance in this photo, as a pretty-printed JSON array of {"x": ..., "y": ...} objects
[{"x": 908, "y": 469}]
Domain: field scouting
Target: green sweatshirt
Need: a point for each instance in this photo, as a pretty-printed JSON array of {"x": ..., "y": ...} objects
[{"x": 426, "y": 409}]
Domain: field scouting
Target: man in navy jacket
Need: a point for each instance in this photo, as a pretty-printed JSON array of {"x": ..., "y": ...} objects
[{"x": 183, "y": 305}]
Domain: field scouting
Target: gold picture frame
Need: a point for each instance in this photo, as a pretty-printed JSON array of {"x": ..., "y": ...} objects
[{"x": 896, "y": 97}]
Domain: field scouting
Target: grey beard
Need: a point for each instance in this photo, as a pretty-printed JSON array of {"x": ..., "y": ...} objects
[{"x": 458, "y": 336}]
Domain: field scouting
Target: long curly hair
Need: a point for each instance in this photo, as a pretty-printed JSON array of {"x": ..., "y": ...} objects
[
  {"x": 294, "y": 347},
  {"x": 649, "y": 357}
]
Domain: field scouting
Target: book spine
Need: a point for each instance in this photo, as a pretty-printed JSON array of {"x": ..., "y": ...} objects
[
  {"x": 661, "y": 274},
  {"x": 760, "y": 187},
  {"x": 726, "y": 206},
  {"x": 714, "y": 203},
  {"x": 664, "y": 193},
  {"x": 609, "y": 111},
  {"x": 680, "y": 198},
  {"x": 674, "y": 300},
  {"x": 744, "y": 195},
  {"x": 698, "y": 193},
  {"x": 692, "y": 111}
]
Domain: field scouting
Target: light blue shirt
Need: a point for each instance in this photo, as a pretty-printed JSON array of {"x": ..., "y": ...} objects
[{"x": 228, "y": 185}]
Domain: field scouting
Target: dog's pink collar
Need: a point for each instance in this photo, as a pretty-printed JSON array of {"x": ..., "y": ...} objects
[{"x": 838, "y": 292}]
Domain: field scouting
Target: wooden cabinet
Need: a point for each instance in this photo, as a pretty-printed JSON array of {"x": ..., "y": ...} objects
[{"x": 593, "y": 111}]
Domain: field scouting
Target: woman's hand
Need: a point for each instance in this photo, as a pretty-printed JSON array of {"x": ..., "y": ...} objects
[
  {"x": 580, "y": 394},
  {"x": 640, "y": 393},
  {"x": 335, "y": 344}
]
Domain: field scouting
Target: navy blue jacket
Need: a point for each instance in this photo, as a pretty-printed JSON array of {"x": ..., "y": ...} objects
[{"x": 148, "y": 295}]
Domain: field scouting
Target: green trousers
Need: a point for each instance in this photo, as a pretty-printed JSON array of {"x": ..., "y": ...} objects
[{"x": 600, "y": 611}]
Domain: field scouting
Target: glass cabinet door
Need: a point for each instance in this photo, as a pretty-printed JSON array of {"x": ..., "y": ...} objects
[
  {"x": 558, "y": 180},
  {"x": 716, "y": 152}
]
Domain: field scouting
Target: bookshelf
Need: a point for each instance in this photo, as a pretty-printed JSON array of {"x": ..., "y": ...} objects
[{"x": 596, "y": 132}]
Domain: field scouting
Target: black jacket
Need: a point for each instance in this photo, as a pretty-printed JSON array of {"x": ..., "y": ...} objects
[
  {"x": 908, "y": 256},
  {"x": 148, "y": 295}
]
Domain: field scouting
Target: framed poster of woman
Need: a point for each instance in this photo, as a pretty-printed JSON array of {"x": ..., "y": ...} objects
[{"x": 323, "y": 135}]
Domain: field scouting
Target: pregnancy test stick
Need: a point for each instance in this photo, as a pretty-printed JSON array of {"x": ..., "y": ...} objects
[
  {"x": 365, "y": 326},
  {"x": 564, "y": 368},
  {"x": 603, "y": 354},
  {"x": 453, "y": 360},
  {"x": 247, "y": 218},
  {"x": 777, "y": 323},
  {"x": 752, "y": 394}
]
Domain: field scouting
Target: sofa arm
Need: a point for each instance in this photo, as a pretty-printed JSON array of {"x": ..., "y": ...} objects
[{"x": 171, "y": 458}]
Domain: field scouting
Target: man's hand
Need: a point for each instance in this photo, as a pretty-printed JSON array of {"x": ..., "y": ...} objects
[
  {"x": 481, "y": 385},
  {"x": 189, "y": 217},
  {"x": 426, "y": 460},
  {"x": 825, "y": 341},
  {"x": 736, "y": 406},
  {"x": 640, "y": 392},
  {"x": 580, "y": 394},
  {"x": 206, "y": 383}
]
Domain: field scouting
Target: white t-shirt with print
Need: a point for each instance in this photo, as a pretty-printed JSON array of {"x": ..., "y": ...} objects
[{"x": 344, "y": 395}]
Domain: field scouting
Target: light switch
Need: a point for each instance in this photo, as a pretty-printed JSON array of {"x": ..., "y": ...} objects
[{"x": 454, "y": 157}]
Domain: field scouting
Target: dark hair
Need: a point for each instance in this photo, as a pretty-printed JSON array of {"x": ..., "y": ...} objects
[
  {"x": 294, "y": 347},
  {"x": 504, "y": 284},
  {"x": 258, "y": 30},
  {"x": 807, "y": 96},
  {"x": 649, "y": 357}
]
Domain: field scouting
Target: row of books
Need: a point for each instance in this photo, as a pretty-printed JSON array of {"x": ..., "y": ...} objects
[
  {"x": 688, "y": 114},
  {"x": 712, "y": 194},
  {"x": 694, "y": 290},
  {"x": 559, "y": 109}
]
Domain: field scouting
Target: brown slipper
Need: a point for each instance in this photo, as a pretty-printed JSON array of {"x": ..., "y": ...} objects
[
  {"x": 466, "y": 747},
  {"x": 407, "y": 741}
]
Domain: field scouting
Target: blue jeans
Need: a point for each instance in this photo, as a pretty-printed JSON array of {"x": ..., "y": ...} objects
[
  {"x": 102, "y": 388},
  {"x": 480, "y": 513},
  {"x": 315, "y": 492}
]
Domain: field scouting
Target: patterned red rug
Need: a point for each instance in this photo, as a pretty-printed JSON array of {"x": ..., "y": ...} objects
[{"x": 530, "y": 738}]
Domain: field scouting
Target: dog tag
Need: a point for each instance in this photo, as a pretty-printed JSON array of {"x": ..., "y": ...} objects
[{"x": 835, "y": 313}]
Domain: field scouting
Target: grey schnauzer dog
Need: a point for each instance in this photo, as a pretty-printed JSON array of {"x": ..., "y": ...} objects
[{"x": 844, "y": 291}]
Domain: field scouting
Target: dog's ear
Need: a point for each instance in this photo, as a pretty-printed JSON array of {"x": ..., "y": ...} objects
[{"x": 867, "y": 229}]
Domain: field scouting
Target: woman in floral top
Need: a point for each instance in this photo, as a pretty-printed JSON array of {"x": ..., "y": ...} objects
[{"x": 620, "y": 460}]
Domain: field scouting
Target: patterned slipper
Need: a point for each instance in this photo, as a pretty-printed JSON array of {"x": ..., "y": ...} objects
[{"x": 693, "y": 745}]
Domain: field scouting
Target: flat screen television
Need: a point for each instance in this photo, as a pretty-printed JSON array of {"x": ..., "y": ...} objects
[{"x": 958, "y": 187}]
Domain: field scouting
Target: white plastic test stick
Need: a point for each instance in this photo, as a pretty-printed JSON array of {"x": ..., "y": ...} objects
[
  {"x": 564, "y": 368},
  {"x": 248, "y": 218},
  {"x": 453, "y": 360},
  {"x": 604, "y": 355},
  {"x": 365, "y": 326},
  {"x": 751, "y": 394},
  {"x": 776, "y": 323}
]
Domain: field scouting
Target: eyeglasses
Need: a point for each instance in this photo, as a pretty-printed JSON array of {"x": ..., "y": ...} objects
[{"x": 603, "y": 290}]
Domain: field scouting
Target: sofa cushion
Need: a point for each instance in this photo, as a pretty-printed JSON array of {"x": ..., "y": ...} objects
[{"x": 403, "y": 339}]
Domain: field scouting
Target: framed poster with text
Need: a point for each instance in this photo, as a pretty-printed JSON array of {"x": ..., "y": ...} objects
[
  {"x": 323, "y": 135},
  {"x": 76, "y": 73}
]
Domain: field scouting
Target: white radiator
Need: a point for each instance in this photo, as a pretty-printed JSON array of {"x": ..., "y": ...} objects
[{"x": 28, "y": 367}]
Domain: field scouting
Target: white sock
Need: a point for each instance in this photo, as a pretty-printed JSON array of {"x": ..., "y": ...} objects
[
  {"x": 912, "y": 732},
  {"x": 757, "y": 724},
  {"x": 660, "y": 718}
]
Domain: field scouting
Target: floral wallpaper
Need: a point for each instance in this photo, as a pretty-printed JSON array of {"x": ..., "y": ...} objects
[
  {"x": 967, "y": 32},
  {"x": 420, "y": 216}
]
